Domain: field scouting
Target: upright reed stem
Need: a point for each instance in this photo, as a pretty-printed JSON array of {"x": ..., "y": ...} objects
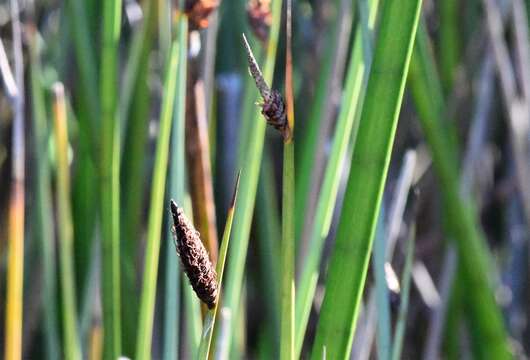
[
  {"x": 15, "y": 261},
  {"x": 71, "y": 344},
  {"x": 288, "y": 209},
  {"x": 110, "y": 178}
]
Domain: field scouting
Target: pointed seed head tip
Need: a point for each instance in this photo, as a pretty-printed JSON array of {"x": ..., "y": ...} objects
[{"x": 174, "y": 207}]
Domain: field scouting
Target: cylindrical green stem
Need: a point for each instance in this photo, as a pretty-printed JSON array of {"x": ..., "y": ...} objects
[
  {"x": 176, "y": 191},
  {"x": 287, "y": 255},
  {"x": 248, "y": 187},
  {"x": 110, "y": 180},
  {"x": 44, "y": 230},
  {"x": 71, "y": 343},
  {"x": 369, "y": 166},
  {"x": 345, "y": 134},
  {"x": 464, "y": 227},
  {"x": 147, "y": 301}
]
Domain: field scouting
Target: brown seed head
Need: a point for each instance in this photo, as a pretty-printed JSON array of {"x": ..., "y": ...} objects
[
  {"x": 198, "y": 12},
  {"x": 273, "y": 109},
  {"x": 194, "y": 257},
  {"x": 259, "y": 16}
]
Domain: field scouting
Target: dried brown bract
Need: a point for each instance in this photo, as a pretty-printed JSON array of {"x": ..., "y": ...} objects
[
  {"x": 194, "y": 257},
  {"x": 198, "y": 12},
  {"x": 259, "y": 16}
]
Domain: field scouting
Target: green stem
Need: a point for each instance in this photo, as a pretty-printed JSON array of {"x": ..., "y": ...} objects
[
  {"x": 463, "y": 224},
  {"x": 269, "y": 237},
  {"x": 248, "y": 187},
  {"x": 134, "y": 114},
  {"x": 369, "y": 166},
  {"x": 71, "y": 344},
  {"x": 84, "y": 53},
  {"x": 287, "y": 255},
  {"x": 44, "y": 224},
  {"x": 209, "y": 321},
  {"x": 110, "y": 179},
  {"x": 345, "y": 133},
  {"x": 177, "y": 192},
  {"x": 449, "y": 41},
  {"x": 147, "y": 300},
  {"x": 309, "y": 141}
]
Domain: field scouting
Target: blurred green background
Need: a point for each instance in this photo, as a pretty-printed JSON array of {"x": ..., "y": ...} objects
[{"x": 400, "y": 211}]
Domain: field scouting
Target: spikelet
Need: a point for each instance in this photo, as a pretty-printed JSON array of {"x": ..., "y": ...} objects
[
  {"x": 273, "y": 106},
  {"x": 273, "y": 109},
  {"x": 194, "y": 257}
]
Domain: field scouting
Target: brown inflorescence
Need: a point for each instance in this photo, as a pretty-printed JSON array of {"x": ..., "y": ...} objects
[
  {"x": 273, "y": 109},
  {"x": 194, "y": 257},
  {"x": 198, "y": 12},
  {"x": 260, "y": 18}
]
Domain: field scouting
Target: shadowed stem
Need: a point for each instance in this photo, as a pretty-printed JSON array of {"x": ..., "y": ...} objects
[
  {"x": 288, "y": 209},
  {"x": 71, "y": 343},
  {"x": 198, "y": 159}
]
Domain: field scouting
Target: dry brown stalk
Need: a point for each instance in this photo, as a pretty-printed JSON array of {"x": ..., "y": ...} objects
[{"x": 198, "y": 160}]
